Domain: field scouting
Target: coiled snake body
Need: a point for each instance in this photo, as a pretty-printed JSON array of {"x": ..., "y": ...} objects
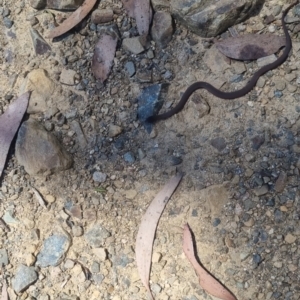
[{"x": 230, "y": 95}]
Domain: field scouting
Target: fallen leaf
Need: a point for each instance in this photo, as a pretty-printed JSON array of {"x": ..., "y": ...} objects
[
  {"x": 77, "y": 16},
  {"x": 141, "y": 11},
  {"x": 207, "y": 281},
  {"x": 4, "y": 295},
  {"x": 9, "y": 124},
  {"x": 145, "y": 236},
  {"x": 103, "y": 56},
  {"x": 251, "y": 46}
]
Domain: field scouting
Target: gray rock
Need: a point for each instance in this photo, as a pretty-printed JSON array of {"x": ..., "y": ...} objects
[
  {"x": 3, "y": 257},
  {"x": 39, "y": 44},
  {"x": 130, "y": 68},
  {"x": 162, "y": 28},
  {"x": 96, "y": 236},
  {"x": 262, "y": 190},
  {"x": 280, "y": 182},
  {"x": 133, "y": 45},
  {"x": 64, "y": 5},
  {"x": 80, "y": 134},
  {"x": 25, "y": 276},
  {"x": 99, "y": 177},
  {"x": 39, "y": 151},
  {"x": 129, "y": 157},
  {"x": 53, "y": 251},
  {"x": 218, "y": 143},
  {"x": 210, "y": 18},
  {"x": 38, "y": 4},
  {"x": 102, "y": 15}
]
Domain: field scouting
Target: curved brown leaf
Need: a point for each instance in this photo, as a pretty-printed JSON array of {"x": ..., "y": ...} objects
[
  {"x": 77, "y": 16},
  {"x": 145, "y": 236},
  {"x": 9, "y": 124},
  {"x": 141, "y": 11},
  {"x": 104, "y": 54},
  {"x": 207, "y": 281},
  {"x": 251, "y": 46}
]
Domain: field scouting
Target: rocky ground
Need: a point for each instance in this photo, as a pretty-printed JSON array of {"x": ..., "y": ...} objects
[{"x": 240, "y": 160}]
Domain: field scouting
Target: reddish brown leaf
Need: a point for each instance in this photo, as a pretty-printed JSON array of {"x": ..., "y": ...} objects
[
  {"x": 207, "y": 281},
  {"x": 251, "y": 46},
  {"x": 77, "y": 16},
  {"x": 141, "y": 11},
  {"x": 9, "y": 124},
  {"x": 103, "y": 56},
  {"x": 145, "y": 236}
]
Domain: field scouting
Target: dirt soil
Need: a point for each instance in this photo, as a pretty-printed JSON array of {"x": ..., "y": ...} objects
[{"x": 233, "y": 155}]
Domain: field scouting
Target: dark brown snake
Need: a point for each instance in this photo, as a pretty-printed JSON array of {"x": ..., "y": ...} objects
[{"x": 230, "y": 95}]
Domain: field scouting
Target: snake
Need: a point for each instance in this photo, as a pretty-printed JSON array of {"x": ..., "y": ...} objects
[{"x": 235, "y": 94}]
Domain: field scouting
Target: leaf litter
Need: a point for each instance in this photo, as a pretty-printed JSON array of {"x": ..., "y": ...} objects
[
  {"x": 75, "y": 18},
  {"x": 250, "y": 46},
  {"x": 141, "y": 11},
  {"x": 146, "y": 233},
  {"x": 9, "y": 123},
  {"x": 103, "y": 57},
  {"x": 210, "y": 284}
]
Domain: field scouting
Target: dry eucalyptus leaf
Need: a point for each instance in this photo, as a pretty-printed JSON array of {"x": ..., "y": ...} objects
[
  {"x": 103, "y": 58},
  {"x": 9, "y": 124},
  {"x": 251, "y": 46},
  {"x": 207, "y": 281},
  {"x": 145, "y": 236},
  {"x": 141, "y": 11},
  {"x": 76, "y": 17}
]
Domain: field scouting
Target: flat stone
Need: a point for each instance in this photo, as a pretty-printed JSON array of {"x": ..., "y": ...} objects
[
  {"x": 162, "y": 28},
  {"x": 42, "y": 87},
  {"x": 114, "y": 130},
  {"x": 3, "y": 257},
  {"x": 67, "y": 77},
  {"x": 96, "y": 236},
  {"x": 39, "y": 44},
  {"x": 133, "y": 45},
  {"x": 290, "y": 239},
  {"x": 25, "y": 276},
  {"x": 280, "y": 182},
  {"x": 210, "y": 18},
  {"x": 262, "y": 190},
  {"x": 218, "y": 143},
  {"x": 100, "y": 253},
  {"x": 257, "y": 141},
  {"x": 100, "y": 16},
  {"x": 39, "y": 150},
  {"x": 53, "y": 251},
  {"x": 99, "y": 177}
]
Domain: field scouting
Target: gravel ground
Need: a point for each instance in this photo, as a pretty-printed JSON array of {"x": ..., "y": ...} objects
[{"x": 240, "y": 160}]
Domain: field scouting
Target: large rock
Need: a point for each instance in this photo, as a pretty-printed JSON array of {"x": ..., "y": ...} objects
[
  {"x": 39, "y": 150},
  {"x": 209, "y": 18}
]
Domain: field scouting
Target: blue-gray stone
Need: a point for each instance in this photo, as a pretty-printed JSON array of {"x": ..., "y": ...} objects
[
  {"x": 8, "y": 23},
  {"x": 130, "y": 68},
  {"x": 96, "y": 236},
  {"x": 129, "y": 157},
  {"x": 53, "y": 250},
  {"x": 278, "y": 94},
  {"x": 237, "y": 78},
  {"x": 216, "y": 222},
  {"x": 25, "y": 276},
  {"x": 150, "y": 101}
]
